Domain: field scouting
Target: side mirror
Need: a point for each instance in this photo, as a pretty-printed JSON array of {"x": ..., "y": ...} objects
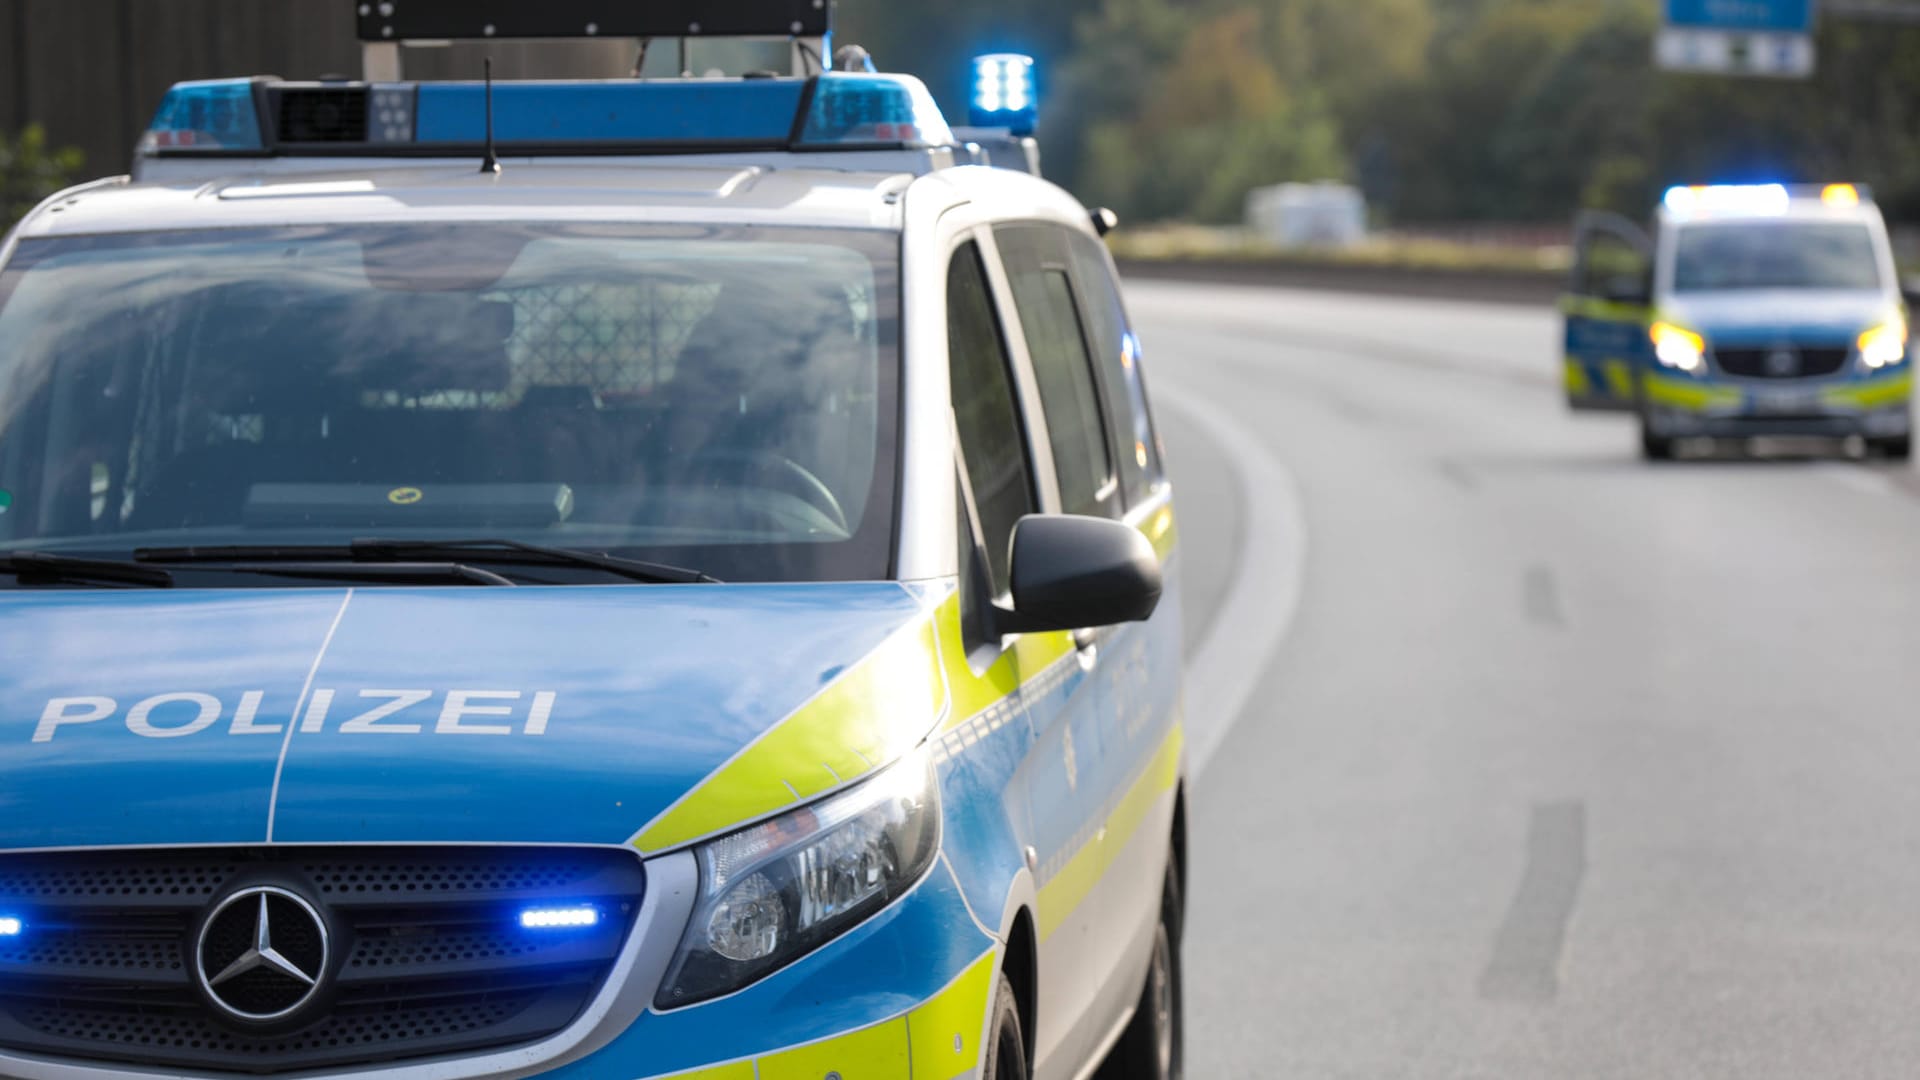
[
  {"x": 1104, "y": 220},
  {"x": 1627, "y": 289},
  {"x": 1079, "y": 573}
]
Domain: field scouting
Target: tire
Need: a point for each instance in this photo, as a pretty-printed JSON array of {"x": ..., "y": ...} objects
[
  {"x": 1655, "y": 447},
  {"x": 1897, "y": 449},
  {"x": 1154, "y": 1045},
  {"x": 1006, "y": 1043}
]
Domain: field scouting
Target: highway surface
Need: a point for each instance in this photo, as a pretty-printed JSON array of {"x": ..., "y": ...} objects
[{"x": 1522, "y": 758}]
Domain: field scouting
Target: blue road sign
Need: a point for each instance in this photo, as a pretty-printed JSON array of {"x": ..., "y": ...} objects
[{"x": 1775, "y": 16}]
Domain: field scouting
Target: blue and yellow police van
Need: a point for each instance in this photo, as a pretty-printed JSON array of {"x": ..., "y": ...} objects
[
  {"x": 1746, "y": 311},
  {"x": 583, "y": 579}
]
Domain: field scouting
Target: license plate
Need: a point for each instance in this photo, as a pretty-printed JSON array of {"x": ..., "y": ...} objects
[{"x": 1777, "y": 402}]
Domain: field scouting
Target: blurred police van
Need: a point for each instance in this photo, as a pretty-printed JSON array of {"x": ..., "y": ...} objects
[{"x": 1744, "y": 311}]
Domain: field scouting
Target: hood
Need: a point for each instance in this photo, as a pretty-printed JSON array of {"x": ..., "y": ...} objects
[
  {"x": 1780, "y": 316},
  {"x": 401, "y": 715}
]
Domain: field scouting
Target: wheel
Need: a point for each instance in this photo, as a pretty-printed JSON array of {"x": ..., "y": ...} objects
[
  {"x": 1006, "y": 1043},
  {"x": 1895, "y": 449},
  {"x": 1655, "y": 447},
  {"x": 1154, "y": 1044}
]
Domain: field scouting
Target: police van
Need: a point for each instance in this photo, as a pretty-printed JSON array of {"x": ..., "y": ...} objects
[
  {"x": 591, "y": 579},
  {"x": 1747, "y": 310}
]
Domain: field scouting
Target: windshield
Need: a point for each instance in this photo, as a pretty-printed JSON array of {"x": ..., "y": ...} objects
[
  {"x": 715, "y": 398},
  {"x": 1775, "y": 255}
]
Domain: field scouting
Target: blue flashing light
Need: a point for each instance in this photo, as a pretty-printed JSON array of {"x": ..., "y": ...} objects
[
  {"x": 1005, "y": 94},
  {"x": 1764, "y": 200},
  {"x": 855, "y": 110},
  {"x": 11, "y": 926},
  {"x": 577, "y": 917},
  {"x": 207, "y": 116}
]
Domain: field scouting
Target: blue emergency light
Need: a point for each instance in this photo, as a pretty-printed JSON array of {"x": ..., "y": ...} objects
[
  {"x": 1005, "y": 94},
  {"x": 577, "y": 917},
  {"x": 207, "y": 117},
  {"x": 11, "y": 926},
  {"x": 834, "y": 111}
]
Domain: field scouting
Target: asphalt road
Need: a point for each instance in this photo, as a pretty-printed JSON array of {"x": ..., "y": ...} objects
[{"x": 1552, "y": 763}]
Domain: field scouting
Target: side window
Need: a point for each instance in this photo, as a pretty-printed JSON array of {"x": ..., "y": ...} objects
[
  {"x": 1037, "y": 264},
  {"x": 1118, "y": 362},
  {"x": 992, "y": 442}
]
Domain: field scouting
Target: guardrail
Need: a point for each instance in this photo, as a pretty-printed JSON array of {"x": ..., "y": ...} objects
[{"x": 1533, "y": 288}]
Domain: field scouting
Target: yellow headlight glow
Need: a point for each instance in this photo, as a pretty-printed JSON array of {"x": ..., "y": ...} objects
[
  {"x": 1677, "y": 347},
  {"x": 1884, "y": 345}
]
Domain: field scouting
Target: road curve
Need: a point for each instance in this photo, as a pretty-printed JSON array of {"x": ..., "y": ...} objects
[{"x": 1567, "y": 765}]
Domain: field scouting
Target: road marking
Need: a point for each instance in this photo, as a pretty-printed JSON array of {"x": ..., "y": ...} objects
[
  {"x": 1227, "y": 665},
  {"x": 1527, "y": 951},
  {"x": 1540, "y": 597}
]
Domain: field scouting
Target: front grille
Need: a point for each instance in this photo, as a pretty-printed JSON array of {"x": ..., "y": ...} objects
[
  {"x": 329, "y": 115},
  {"x": 428, "y": 957},
  {"x": 1807, "y": 362}
]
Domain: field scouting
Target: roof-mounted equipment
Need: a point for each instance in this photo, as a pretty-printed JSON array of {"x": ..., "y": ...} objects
[
  {"x": 1005, "y": 111},
  {"x": 483, "y": 20},
  {"x": 387, "y": 25}
]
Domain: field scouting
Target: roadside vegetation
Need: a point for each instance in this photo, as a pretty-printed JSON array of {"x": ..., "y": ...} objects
[
  {"x": 1440, "y": 110},
  {"x": 30, "y": 170},
  {"x": 1385, "y": 250}
]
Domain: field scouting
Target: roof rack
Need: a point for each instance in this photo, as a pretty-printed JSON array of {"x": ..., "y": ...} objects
[
  {"x": 479, "y": 20},
  {"x": 386, "y": 25}
]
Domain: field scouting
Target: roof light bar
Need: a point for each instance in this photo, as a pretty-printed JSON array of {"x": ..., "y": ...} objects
[{"x": 834, "y": 111}]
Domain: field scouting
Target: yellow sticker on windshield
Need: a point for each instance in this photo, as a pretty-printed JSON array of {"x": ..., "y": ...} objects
[{"x": 405, "y": 496}]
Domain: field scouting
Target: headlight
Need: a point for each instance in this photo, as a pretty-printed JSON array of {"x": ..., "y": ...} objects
[
  {"x": 1884, "y": 345},
  {"x": 1676, "y": 347},
  {"x": 771, "y": 894}
]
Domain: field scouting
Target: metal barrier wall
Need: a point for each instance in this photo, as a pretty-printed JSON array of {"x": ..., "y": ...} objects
[{"x": 92, "y": 71}]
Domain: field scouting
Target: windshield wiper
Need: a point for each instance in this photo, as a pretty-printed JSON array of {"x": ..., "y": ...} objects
[
  {"x": 39, "y": 566},
  {"x": 394, "y": 573},
  {"x": 377, "y": 552}
]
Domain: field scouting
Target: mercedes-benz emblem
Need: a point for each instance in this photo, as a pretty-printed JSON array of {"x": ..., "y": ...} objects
[
  {"x": 1783, "y": 362},
  {"x": 262, "y": 955}
]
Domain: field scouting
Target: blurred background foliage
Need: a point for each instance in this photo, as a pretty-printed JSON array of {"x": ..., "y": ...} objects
[
  {"x": 30, "y": 170},
  {"x": 1441, "y": 110}
]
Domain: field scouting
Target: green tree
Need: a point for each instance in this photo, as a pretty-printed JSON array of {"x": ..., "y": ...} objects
[
  {"x": 30, "y": 171},
  {"x": 1349, "y": 52},
  {"x": 1214, "y": 122}
]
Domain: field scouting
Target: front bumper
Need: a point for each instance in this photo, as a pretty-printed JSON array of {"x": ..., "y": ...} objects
[
  {"x": 1877, "y": 406},
  {"x": 904, "y": 995}
]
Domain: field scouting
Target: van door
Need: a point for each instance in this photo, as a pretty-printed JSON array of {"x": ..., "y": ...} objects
[
  {"x": 1085, "y": 761},
  {"x": 1608, "y": 310},
  {"x": 1140, "y": 663}
]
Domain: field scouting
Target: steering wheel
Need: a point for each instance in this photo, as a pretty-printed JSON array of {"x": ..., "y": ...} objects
[{"x": 796, "y": 479}]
